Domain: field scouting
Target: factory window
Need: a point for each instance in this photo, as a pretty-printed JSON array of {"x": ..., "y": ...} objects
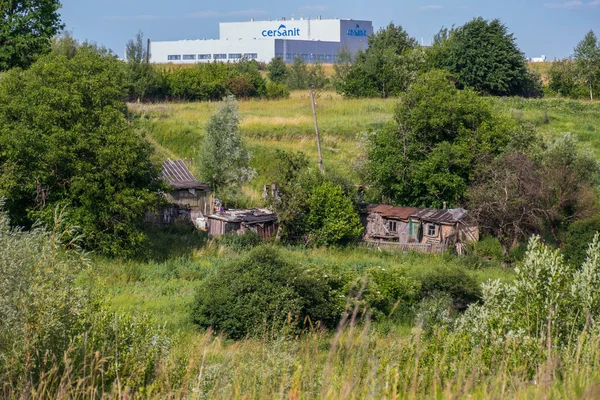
[
  {"x": 204, "y": 57},
  {"x": 235, "y": 56},
  {"x": 220, "y": 56},
  {"x": 174, "y": 57},
  {"x": 329, "y": 58},
  {"x": 189, "y": 56},
  {"x": 251, "y": 56},
  {"x": 304, "y": 57},
  {"x": 289, "y": 56}
]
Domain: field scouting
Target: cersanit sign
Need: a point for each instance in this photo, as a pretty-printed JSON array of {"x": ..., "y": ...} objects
[
  {"x": 357, "y": 31},
  {"x": 281, "y": 31}
]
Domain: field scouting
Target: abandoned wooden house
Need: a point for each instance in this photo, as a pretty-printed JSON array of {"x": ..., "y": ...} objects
[
  {"x": 388, "y": 223},
  {"x": 446, "y": 227},
  {"x": 408, "y": 228},
  {"x": 188, "y": 200},
  {"x": 262, "y": 221}
]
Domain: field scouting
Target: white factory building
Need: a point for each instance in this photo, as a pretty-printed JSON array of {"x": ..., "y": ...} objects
[{"x": 314, "y": 40}]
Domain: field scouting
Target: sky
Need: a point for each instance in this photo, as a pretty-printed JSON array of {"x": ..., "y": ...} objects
[{"x": 541, "y": 27}]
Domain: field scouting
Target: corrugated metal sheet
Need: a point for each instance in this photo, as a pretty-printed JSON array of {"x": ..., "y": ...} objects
[
  {"x": 448, "y": 216},
  {"x": 177, "y": 174}
]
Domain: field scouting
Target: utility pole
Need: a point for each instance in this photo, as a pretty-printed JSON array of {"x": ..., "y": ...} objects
[{"x": 314, "y": 110}]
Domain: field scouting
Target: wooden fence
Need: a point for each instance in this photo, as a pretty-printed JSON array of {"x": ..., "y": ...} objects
[{"x": 406, "y": 247}]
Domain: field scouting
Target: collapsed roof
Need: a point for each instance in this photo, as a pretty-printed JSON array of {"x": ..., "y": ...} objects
[{"x": 177, "y": 175}]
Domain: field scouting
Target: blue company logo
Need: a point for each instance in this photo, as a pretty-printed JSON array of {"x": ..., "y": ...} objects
[
  {"x": 357, "y": 31},
  {"x": 281, "y": 31}
]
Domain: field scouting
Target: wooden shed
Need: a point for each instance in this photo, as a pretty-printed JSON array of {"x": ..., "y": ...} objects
[
  {"x": 262, "y": 221},
  {"x": 188, "y": 199}
]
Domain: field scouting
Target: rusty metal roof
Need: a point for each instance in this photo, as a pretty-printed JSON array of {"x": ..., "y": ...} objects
[
  {"x": 387, "y": 211},
  {"x": 177, "y": 174},
  {"x": 447, "y": 216}
]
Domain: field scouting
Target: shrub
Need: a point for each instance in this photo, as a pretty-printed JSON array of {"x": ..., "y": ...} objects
[
  {"x": 262, "y": 293},
  {"x": 332, "y": 218},
  {"x": 390, "y": 292},
  {"x": 579, "y": 235},
  {"x": 277, "y": 90},
  {"x": 454, "y": 282},
  {"x": 241, "y": 87}
]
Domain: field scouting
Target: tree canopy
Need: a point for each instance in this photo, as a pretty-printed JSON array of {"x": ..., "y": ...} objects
[
  {"x": 26, "y": 27},
  {"x": 385, "y": 69},
  {"x": 224, "y": 159},
  {"x": 65, "y": 141},
  {"x": 587, "y": 61},
  {"x": 428, "y": 154},
  {"x": 484, "y": 56}
]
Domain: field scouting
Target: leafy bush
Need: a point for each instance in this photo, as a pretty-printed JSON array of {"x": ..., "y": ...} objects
[
  {"x": 579, "y": 235},
  {"x": 202, "y": 82},
  {"x": 277, "y": 90},
  {"x": 332, "y": 218},
  {"x": 241, "y": 87},
  {"x": 454, "y": 282},
  {"x": 549, "y": 303},
  {"x": 390, "y": 293},
  {"x": 262, "y": 293}
]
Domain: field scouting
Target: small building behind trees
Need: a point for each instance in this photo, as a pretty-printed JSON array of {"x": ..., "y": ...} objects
[
  {"x": 188, "y": 199},
  {"x": 421, "y": 229}
]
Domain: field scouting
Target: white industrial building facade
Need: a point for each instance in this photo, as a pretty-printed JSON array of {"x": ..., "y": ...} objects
[{"x": 317, "y": 40}]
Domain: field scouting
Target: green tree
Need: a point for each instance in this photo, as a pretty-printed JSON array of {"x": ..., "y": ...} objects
[
  {"x": 428, "y": 154},
  {"x": 564, "y": 80},
  {"x": 297, "y": 76},
  {"x": 387, "y": 68},
  {"x": 143, "y": 80},
  {"x": 65, "y": 141},
  {"x": 277, "y": 70},
  {"x": 587, "y": 60},
  {"x": 65, "y": 45},
  {"x": 341, "y": 67},
  {"x": 224, "y": 159},
  {"x": 26, "y": 29},
  {"x": 249, "y": 71},
  {"x": 484, "y": 56},
  {"x": 316, "y": 76},
  {"x": 291, "y": 205},
  {"x": 332, "y": 219}
]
